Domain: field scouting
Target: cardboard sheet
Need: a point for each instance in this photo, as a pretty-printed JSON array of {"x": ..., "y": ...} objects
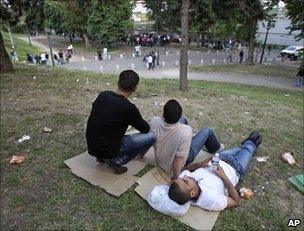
[
  {"x": 86, "y": 167},
  {"x": 196, "y": 217}
]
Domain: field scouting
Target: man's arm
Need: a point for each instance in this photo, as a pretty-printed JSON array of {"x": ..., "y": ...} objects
[
  {"x": 233, "y": 195},
  {"x": 193, "y": 166},
  {"x": 177, "y": 165},
  {"x": 138, "y": 122}
]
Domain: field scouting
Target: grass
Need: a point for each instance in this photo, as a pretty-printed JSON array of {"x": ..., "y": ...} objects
[
  {"x": 43, "y": 194},
  {"x": 257, "y": 69},
  {"x": 21, "y": 46}
]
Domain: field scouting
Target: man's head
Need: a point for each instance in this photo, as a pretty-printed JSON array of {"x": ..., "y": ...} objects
[
  {"x": 128, "y": 81},
  {"x": 183, "y": 189},
  {"x": 172, "y": 111}
]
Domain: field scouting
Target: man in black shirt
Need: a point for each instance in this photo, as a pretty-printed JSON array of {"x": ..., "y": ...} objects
[{"x": 110, "y": 117}]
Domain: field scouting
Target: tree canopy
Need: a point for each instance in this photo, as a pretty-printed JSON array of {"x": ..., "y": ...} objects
[{"x": 295, "y": 12}]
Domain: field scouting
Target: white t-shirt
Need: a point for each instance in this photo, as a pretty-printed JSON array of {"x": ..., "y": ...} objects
[
  {"x": 171, "y": 140},
  {"x": 213, "y": 194},
  {"x": 150, "y": 59},
  {"x": 43, "y": 57}
]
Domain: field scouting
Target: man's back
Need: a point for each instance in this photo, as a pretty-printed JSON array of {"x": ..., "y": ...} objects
[
  {"x": 171, "y": 140},
  {"x": 110, "y": 116}
]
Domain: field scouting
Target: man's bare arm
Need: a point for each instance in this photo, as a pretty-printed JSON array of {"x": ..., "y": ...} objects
[
  {"x": 193, "y": 166},
  {"x": 177, "y": 165},
  {"x": 234, "y": 198}
]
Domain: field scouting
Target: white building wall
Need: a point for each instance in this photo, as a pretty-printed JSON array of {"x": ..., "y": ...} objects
[{"x": 279, "y": 35}]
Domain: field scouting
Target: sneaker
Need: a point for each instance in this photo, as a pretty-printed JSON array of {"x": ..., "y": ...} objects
[
  {"x": 255, "y": 137},
  {"x": 116, "y": 167},
  {"x": 100, "y": 160}
]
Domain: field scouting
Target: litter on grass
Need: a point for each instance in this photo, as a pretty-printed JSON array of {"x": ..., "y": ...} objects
[
  {"x": 262, "y": 158},
  {"x": 47, "y": 130},
  {"x": 17, "y": 159},
  {"x": 24, "y": 138},
  {"x": 246, "y": 192},
  {"x": 288, "y": 158}
]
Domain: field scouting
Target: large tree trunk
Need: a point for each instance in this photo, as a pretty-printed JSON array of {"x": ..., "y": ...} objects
[
  {"x": 183, "y": 71},
  {"x": 203, "y": 38},
  {"x": 5, "y": 61},
  {"x": 253, "y": 25},
  {"x": 86, "y": 41}
]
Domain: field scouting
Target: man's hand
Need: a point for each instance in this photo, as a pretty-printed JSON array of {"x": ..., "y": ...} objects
[{"x": 220, "y": 172}]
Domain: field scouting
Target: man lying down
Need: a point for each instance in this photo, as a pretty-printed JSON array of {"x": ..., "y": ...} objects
[
  {"x": 212, "y": 190},
  {"x": 197, "y": 184}
]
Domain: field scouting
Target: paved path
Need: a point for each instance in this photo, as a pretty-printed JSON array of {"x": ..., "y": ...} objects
[{"x": 169, "y": 67}]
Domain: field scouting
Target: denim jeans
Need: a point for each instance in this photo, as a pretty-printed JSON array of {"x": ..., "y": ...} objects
[
  {"x": 239, "y": 158},
  {"x": 205, "y": 137},
  {"x": 132, "y": 145}
]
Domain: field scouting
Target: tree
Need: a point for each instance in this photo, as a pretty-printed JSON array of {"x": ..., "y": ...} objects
[
  {"x": 184, "y": 47},
  {"x": 201, "y": 18},
  {"x": 164, "y": 13},
  {"x": 296, "y": 15},
  {"x": 10, "y": 12}
]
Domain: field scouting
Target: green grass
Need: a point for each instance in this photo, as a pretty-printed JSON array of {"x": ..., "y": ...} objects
[
  {"x": 48, "y": 196},
  {"x": 21, "y": 46},
  {"x": 257, "y": 69}
]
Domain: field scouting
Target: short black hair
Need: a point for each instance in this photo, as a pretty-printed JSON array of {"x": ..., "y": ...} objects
[
  {"x": 172, "y": 111},
  {"x": 177, "y": 195},
  {"x": 128, "y": 80}
]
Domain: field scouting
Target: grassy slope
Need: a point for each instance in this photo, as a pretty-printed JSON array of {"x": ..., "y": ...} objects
[
  {"x": 264, "y": 70},
  {"x": 21, "y": 46},
  {"x": 42, "y": 193}
]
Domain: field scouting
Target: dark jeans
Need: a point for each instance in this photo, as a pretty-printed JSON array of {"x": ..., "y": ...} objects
[{"x": 132, "y": 145}]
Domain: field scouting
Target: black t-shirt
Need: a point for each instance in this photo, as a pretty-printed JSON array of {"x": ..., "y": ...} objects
[{"x": 109, "y": 119}]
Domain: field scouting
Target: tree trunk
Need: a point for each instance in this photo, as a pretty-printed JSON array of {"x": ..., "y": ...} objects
[
  {"x": 87, "y": 41},
  {"x": 203, "y": 38},
  {"x": 253, "y": 25},
  {"x": 183, "y": 71},
  {"x": 71, "y": 38},
  {"x": 197, "y": 39},
  {"x": 5, "y": 61}
]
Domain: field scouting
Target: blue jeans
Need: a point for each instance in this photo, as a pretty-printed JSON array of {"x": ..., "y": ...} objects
[
  {"x": 138, "y": 143},
  {"x": 239, "y": 158},
  {"x": 132, "y": 145},
  {"x": 205, "y": 137}
]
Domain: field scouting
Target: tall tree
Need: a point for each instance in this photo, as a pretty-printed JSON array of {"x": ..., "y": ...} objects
[
  {"x": 295, "y": 12},
  {"x": 183, "y": 71},
  {"x": 10, "y": 11}
]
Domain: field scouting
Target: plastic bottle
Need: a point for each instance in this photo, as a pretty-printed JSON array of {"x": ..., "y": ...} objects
[{"x": 215, "y": 162}]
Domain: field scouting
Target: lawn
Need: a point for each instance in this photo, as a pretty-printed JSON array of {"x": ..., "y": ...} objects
[
  {"x": 21, "y": 46},
  {"x": 274, "y": 70},
  {"x": 43, "y": 194}
]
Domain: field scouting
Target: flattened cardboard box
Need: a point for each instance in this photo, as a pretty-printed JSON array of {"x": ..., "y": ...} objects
[
  {"x": 86, "y": 167},
  {"x": 196, "y": 217}
]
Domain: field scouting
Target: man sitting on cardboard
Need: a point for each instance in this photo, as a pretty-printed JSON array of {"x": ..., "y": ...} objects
[
  {"x": 110, "y": 117},
  {"x": 175, "y": 147},
  {"x": 206, "y": 188}
]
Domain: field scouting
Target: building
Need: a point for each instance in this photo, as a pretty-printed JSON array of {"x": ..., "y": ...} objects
[{"x": 279, "y": 34}]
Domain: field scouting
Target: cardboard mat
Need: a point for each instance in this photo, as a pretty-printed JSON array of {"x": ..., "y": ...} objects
[
  {"x": 196, "y": 217},
  {"x": 86, "y": 167}
]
